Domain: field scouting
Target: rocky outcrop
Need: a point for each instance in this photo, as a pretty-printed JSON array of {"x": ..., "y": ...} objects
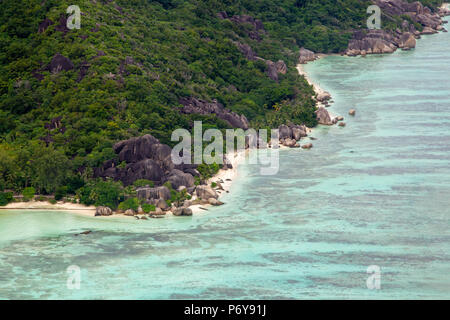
[
  {"x": 59, "y": 63},
  {"x": 146, "y": 147},
  {"x": 145, "y": 158},
  {"x": 182, "y": 212},
  {"x": 246, "y": 50},
  {"x": 407, "y": 41},
  {"x": 290, "y": 143},
  {"x": 146, "y": 169},
  {"x": 323, "y": 117},
  {"x": 372, "y": 42},
  {"x": 130, "y": 212},
  {"x": 383, "y": 41},
  {"x": 198, "y": 106},
  {"x": 306, "y": 55},
  {"x": 257, "y": 28},
  {"x": 206, "y": 192},
  {"x": 295, "y": 132},
  {"x": 178, "y": 179},
  {"x": 323, "y": 96},
  {"x": 444, "y": 11},
  {"x": 103, "y": 211},
  {"x": 153, "y": 195},
  {"x": 275, "y": 68}
]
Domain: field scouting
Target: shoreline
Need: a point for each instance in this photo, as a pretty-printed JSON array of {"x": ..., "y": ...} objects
[
  {"x": 316, "y": 87},
  {"x": 225, "y": 177}
]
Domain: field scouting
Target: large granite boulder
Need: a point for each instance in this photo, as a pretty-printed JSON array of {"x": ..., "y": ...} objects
[
  {"x": 146, "y": 169},
  {"x": 323, "y": 117},
  {"x": 281, "y": 67},
  {"x": 103, "y": 211},
  {"x": 178, "y": 178},
  {"x": 136, "y": 149},
  {"x": 149, "y": 194},
  {"x": 407, "y": 41},
  {"x": 284, "y": 132},
  {"x": 323, "y": 96},
  {"x": 306, "y": 55},
  {"x": 206, "y": 192},
  {"x": 246, "y": 50},
  {"x": 299, "y": 132}
]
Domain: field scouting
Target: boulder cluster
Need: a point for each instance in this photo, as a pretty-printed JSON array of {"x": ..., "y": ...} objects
[{"x": 384, "y": 41}]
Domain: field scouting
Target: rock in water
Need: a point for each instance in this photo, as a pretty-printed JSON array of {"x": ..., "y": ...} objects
[
  {"x": 307, "y": 146},
  {"x": 323, "y": 97},
  {"x": 407, "y": 41},
  {"x": 352, "y": 112},
  {"x": 323, "y": 117}
]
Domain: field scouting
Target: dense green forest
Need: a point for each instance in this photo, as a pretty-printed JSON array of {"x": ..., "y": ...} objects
[{"x": 132, "y": 61}]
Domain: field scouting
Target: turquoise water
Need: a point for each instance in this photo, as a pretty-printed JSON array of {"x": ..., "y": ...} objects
[{"x": 373, "y": 193}]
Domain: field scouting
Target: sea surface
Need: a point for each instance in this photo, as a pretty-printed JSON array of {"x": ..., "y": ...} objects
[{"x": 375, "y": 193}]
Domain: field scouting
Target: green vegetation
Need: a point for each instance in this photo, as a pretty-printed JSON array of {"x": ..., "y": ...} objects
[
  {"x": 132, "y": 62},
  {"x": 5, "y": 198},
  {"x": 101, "y": 193},
  {"x": 28, "y": 193},
  {"x": 132, "y": 203},
  {"x": 147, "y": 208},
  {"x": 143, "y": 183}
]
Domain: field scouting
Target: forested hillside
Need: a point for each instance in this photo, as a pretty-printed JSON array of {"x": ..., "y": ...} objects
[{"x": 66, "y": 96}]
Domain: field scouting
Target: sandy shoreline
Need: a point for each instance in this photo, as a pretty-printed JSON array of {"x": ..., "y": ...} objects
[
  {"x": 317, "y": 89},
  {"x": 225, "y": 177}
]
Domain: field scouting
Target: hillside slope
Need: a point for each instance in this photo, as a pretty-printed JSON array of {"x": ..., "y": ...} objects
[{"x": 143, "y": 67}]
